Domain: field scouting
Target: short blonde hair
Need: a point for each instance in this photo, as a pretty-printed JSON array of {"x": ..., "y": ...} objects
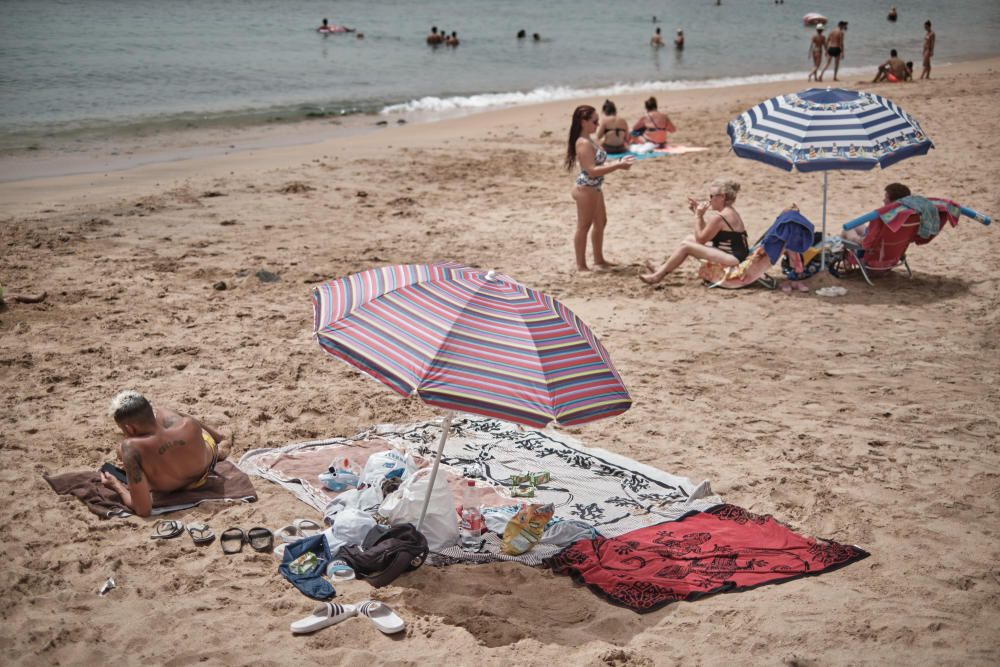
[
  {"x": 129, "y": 404},
  {"x": 727, "y": 187}
]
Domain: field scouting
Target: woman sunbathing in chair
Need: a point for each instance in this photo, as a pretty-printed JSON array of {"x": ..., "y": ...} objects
[{"x": 719, "y": 239}]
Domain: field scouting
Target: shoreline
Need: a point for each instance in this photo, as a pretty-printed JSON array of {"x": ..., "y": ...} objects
[{"x": 115, "y": 154}]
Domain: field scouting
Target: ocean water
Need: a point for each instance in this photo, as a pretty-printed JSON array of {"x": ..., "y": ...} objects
[{"x": 72, "y": 67}]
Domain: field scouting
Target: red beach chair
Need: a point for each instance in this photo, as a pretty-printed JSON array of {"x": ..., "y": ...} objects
[{"x": 891, "y": 230}]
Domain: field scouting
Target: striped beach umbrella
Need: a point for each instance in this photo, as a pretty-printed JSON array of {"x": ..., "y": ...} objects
[
  {"x": 463, "y": 339},
  {"x": 822, "y": 129}
]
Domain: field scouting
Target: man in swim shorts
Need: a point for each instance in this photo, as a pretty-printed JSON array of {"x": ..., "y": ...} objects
[
  {"x": 834, "y": 49},
  {"x": 163, "y": 451},
  {"x": 892, "y": 70}
]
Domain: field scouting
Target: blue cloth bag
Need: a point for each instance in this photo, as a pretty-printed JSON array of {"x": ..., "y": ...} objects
[{"x": 312, "y": 584}]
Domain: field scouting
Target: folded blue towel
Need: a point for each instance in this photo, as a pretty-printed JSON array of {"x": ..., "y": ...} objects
[{"x": 790, "y": 231}]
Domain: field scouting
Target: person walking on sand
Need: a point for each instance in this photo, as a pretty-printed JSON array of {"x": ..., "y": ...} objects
[
  {"x": 816, "y": 47},
  {"x": 656, "y": 40},
  {"x": 163, "y": 451},
  {"x": 591, "y": 214},
  {"x": 929, "y": 38},
  {"x": 834, "y": 49}
]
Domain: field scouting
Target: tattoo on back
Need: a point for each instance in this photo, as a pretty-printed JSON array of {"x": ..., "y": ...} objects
[
  {"x": 167, "y": 446},
  {"x": 170, "y": 420}
]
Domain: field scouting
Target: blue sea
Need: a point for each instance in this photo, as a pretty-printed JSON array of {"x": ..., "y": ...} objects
[{"x": 74, "y": 67}]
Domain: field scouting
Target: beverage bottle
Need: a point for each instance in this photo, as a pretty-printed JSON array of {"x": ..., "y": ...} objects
[{"x": 470, "y": 531}]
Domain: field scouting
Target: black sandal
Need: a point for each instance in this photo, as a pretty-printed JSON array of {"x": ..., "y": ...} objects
[
  {"x": 260, "y": 539},
  {"x": 167, "y": 528},
  {"x": 232, "y": 535}
]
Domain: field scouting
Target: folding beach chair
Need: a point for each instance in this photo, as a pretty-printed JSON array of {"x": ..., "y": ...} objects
[{"x": 891, "y": 231}]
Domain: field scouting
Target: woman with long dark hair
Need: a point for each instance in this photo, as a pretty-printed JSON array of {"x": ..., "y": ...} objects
[{"x": 591, "y": 215}]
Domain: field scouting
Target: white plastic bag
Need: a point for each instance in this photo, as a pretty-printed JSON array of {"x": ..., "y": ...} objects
[
  {"x": 389, "y": 463},
  {"x": 404, "y": 504},
  {"x": 350, "y": 527}
]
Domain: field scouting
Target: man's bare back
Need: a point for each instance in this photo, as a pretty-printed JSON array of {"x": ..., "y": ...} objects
[
  {"x": 835, "y": 39},
  {"x": 164, "y": 451}
]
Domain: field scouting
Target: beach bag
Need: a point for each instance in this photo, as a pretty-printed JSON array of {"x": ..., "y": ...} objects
[
  {"x": 386, "y": 554},
  {"x": 404, "y": 504}
]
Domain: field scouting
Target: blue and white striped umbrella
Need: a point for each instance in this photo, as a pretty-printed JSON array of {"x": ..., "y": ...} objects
[
  {"x": 822, "y": 129},
  {"x": 827, "y": 128}
]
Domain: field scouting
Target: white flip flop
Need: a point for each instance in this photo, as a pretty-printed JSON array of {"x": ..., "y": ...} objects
[
  {"x": 288, "y": 534},
  {"x": 307, "y": 527},
  {"x": 384, "y": 618},
  {"x": 325, "y": 615}
]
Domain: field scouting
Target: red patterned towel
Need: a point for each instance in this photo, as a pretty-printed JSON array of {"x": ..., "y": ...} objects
[{"x": 725, "y": 549}]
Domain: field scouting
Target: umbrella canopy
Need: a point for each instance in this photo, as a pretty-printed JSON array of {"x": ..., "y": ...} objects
[
  {"x": 822, "y": 129},
  {"x": 470, "y": 340},
  {"x": 827, "y": 128}
]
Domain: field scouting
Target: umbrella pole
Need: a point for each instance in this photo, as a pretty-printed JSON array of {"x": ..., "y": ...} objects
[
  {"x": 445, "y": 428},
  {"x": 822, "y": 252}
]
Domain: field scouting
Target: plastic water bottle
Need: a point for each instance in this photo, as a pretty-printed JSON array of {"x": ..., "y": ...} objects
[{"x": 470, "y": 531}]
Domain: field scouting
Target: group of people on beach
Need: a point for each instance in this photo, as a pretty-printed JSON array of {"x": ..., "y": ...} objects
[
  {"x": 719, "y": 236},
  {"x": 893, "y": 70},
  {"x": 613, "y": 137}
]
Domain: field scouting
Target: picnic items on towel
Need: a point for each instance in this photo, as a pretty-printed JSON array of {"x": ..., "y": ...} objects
[
  {"x": 228, "y": 483},
  {"x": 386, "y": 554},
  {"x": 403, "y": 506},
  {"x": 590, "y": 487},
  {"x": 724, "y": 549},
  {"x": 525, "y": 529}
]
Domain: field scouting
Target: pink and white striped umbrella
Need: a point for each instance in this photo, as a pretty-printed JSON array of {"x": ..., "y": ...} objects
[{"x": 468, "y": 340}]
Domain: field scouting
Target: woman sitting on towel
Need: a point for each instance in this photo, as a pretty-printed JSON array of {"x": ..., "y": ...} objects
[
  {"x": 591, "y": 215},
  {"x": 613, "y": 132},
  {"x": 719, "y": 238},
  {"x": 653, "y": 127}
]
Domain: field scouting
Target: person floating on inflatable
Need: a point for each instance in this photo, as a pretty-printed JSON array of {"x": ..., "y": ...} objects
[{"x": 328, "y": 28}]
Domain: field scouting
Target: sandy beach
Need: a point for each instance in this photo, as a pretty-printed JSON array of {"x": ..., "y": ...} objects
[{"x": 868, "y": 419}]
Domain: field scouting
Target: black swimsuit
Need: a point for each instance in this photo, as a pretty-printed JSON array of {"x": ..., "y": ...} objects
[{"x": 733, "y": 242}]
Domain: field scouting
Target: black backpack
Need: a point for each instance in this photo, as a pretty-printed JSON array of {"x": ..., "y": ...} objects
[{"x": 386, "y": 554}]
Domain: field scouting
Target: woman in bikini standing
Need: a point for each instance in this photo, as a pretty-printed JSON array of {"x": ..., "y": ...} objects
[
  {"x": 653, "y": 127},
  {"x": 591, "y": 215},
  {"x": 719, "y": 234},
  {"x": 613, "y": 131}
]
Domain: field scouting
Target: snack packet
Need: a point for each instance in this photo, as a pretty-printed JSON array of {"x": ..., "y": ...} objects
[{"x": 525, "y": 530}]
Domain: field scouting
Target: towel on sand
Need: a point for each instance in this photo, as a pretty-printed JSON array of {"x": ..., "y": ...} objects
[
  {"x": 724, "y": 549},
  {"x": 227, "y": 483}
]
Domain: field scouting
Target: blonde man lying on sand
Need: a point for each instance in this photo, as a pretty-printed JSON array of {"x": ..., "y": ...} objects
[{"x": 164, "y": 451}]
